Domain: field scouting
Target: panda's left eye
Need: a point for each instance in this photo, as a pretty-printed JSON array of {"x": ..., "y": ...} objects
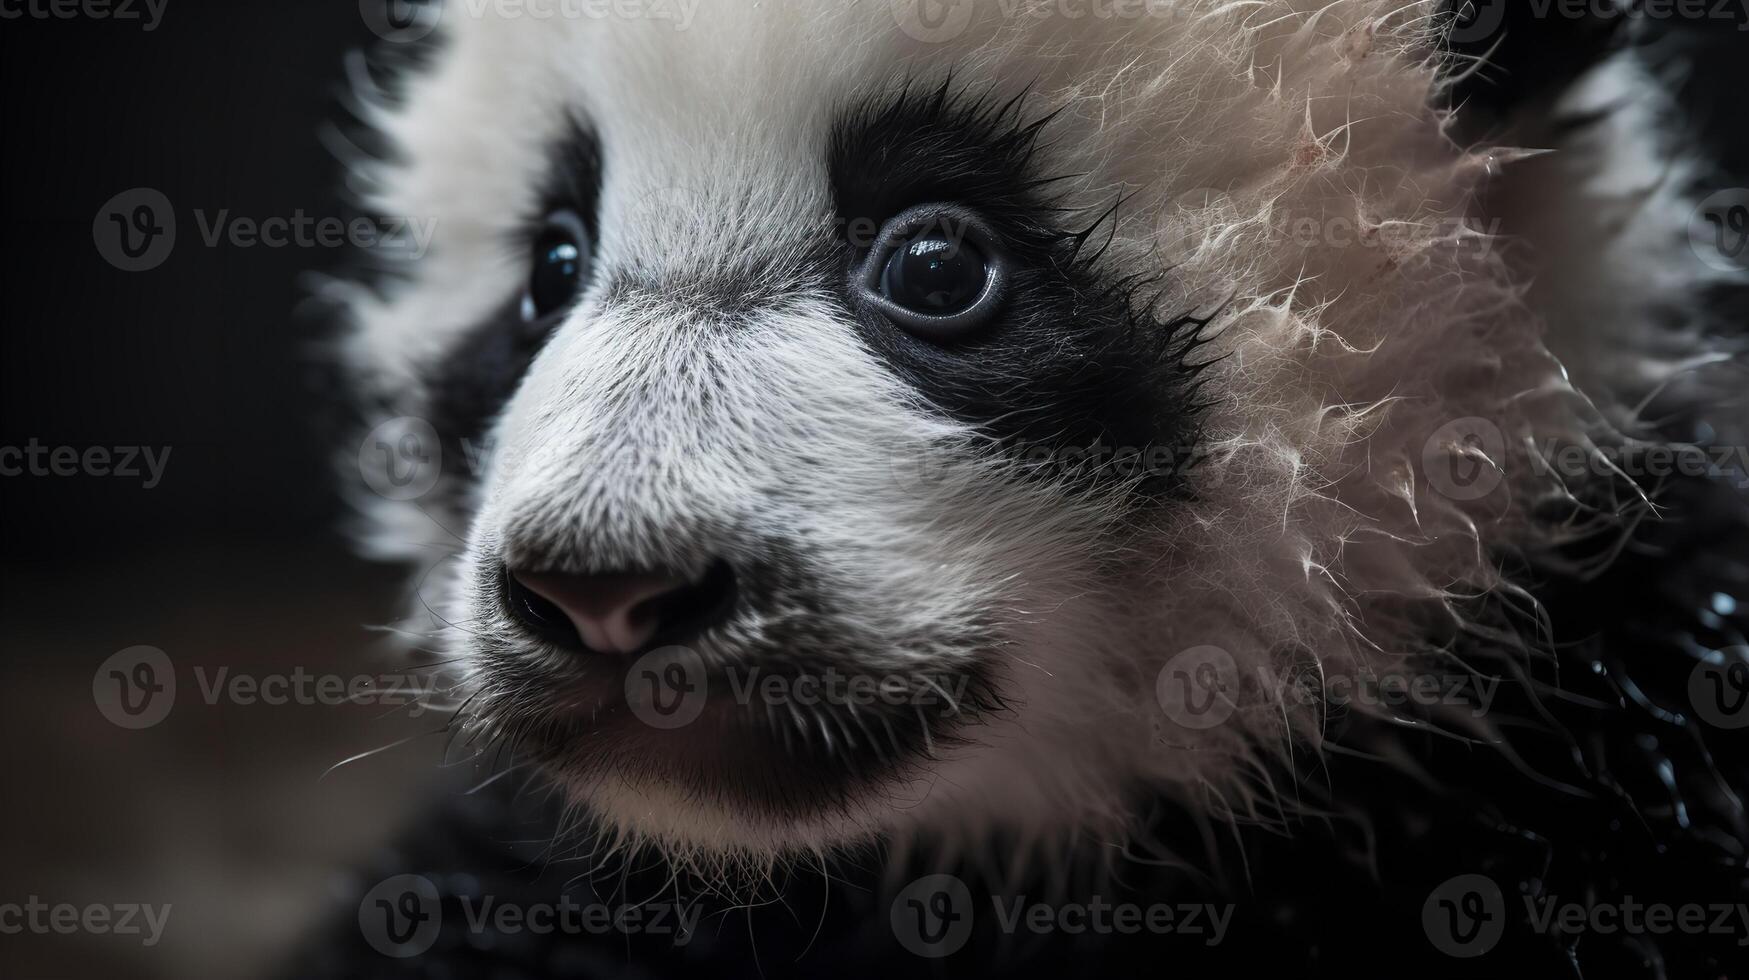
[{"x": 559, "y": 266}]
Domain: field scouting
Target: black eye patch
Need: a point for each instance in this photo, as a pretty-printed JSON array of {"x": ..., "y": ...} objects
[{"x": 1073, "y": 356}]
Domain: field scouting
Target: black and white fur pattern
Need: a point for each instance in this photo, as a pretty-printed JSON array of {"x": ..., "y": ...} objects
[{"x": 716, "y": 395}]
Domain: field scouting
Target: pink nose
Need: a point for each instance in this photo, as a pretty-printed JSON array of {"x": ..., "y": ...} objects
[{"x": 617, "y": 612}]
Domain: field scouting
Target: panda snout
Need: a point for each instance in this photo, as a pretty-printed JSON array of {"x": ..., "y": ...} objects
[{"x": 620, "y": 612}]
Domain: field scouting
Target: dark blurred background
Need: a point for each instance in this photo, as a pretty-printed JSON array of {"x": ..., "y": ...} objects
[{"x": 233, "y": 559}]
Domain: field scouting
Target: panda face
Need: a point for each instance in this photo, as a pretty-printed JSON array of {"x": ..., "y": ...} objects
[{"x": 854, "y": 423}]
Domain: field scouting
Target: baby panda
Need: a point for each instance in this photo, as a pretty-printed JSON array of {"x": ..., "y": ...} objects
[{"x": 973, "y": 487}]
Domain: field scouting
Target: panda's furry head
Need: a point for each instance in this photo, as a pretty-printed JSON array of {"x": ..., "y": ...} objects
[{"x": 1241, "y": 388}]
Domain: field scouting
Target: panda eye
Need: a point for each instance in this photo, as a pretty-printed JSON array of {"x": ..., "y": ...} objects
[
  {"x": 558, "y": 267},
  {"x": 934, "y": 275},
  {"x": 935, "y": 271}
]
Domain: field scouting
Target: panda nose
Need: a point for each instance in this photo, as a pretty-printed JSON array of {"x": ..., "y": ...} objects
[{"x": 618, "y": 612}]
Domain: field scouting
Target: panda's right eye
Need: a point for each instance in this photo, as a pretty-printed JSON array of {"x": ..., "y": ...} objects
[
  {"x": 559, "y": 266},
  {"x": 938, "y": 271}
]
